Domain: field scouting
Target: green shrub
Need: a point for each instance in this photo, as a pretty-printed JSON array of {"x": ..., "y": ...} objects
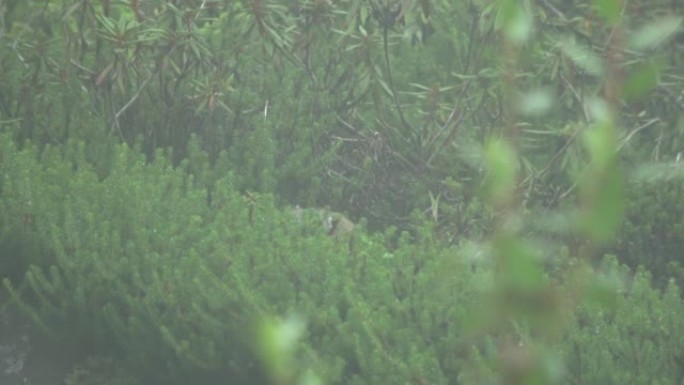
[
  {"x": 637, "y": 340},
  {"x": 652, "y": 234},
  {"x": 150, "y": 264},
  {"x": 167, "y": 275}
]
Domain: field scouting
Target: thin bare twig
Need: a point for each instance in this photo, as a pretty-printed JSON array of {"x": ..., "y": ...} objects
[{"x": 123, "y": 109}]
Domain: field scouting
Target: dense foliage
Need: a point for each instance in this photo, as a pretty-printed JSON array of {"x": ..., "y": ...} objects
[
  {"x": 174, "y": 282},
  {"x": 151, "y": 154},
  {"x": 368, "y": 106},
  {"x": 653, "y": 231}
]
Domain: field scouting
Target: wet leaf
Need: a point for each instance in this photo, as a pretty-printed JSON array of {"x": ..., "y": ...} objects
[
  {"x": 584, "y": 58},
  {"x": 536, "y": 102},
  {"x": 656, "y": 32},
  {"x": 501, "y": 160},
  {"x": 641, "y": 80},
  {"x": 609, "y": 9}
]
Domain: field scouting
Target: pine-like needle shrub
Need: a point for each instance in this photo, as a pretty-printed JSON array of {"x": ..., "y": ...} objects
[
  {"x": 653, "y": 232},
  {"x": 638, "y": 339},
  {"x": 152, "y": 265},
  {"x": 169, "y": 276}
]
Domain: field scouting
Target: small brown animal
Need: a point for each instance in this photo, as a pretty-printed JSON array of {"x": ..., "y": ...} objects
[
  {"x": 334, "y": 224},
  {"x": 337, "y": 224}
]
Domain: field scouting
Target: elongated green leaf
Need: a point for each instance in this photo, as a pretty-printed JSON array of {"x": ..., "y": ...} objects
[
  {"x": 603, "y": 213},
  {"x": 584, "y": 58},
  {"x": 501, "y": 161},
  {"x": 641, "y": 80},
  {"x": 656, "y": 32},
  {"x": 518, "y": 24},
  {"x": 603, "y": 189},
  {"x": 609, "y": 9},
  {"x": 536, "y": 102}
]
